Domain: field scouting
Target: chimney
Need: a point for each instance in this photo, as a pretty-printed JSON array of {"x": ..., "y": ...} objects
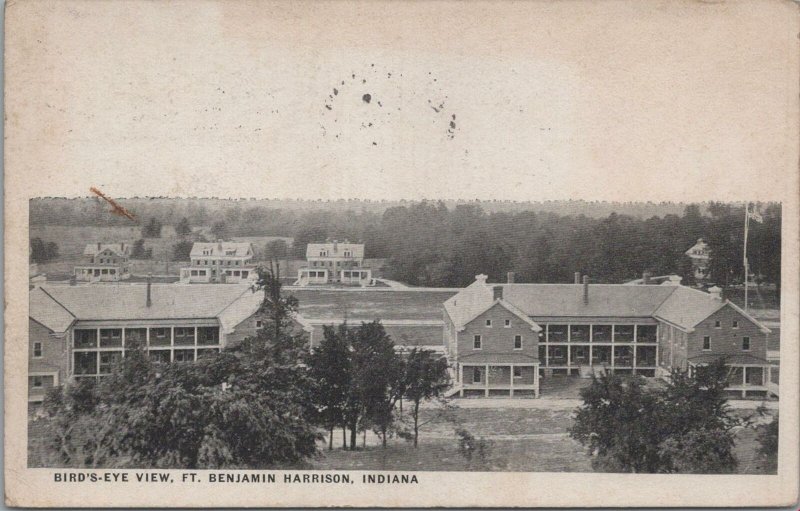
[
  {"x": 335, "y": 246},
  {"x": 510, "y": 277},
  {"x": 497, "y": 292},
  {"x": 646, "y": 278},
  {"x": 73, "y": 280},
  {"x": 585, "y": 289},
  {"x": 149, "y": 301},
  {"x": 716, "y": 293},
  {"x": 481, "y": 278},
  {"x": 577, "y": 277}
]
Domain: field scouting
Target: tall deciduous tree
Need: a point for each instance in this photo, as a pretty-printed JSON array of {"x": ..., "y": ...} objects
[
  {"x": 426, "y": 378},
  {"x": 330, "y": 368}
]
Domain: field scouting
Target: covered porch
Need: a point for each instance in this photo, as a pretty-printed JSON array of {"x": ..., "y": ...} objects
[
  {"x": 488, "y": 374},
  {"x": 746, "y": 373}
]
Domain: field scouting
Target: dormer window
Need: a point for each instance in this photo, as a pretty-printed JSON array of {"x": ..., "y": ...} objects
[
  {"x": 323, "y": 253},
  {"x": 347, "y": 253}
]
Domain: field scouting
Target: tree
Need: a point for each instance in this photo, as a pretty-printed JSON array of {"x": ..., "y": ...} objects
[
  {"x": 276, "y": 250},
  {"x": 426, "y": 378},
  {"x": 685, "y": 427},
  {"x": 152, "y": 229},
  {"x": 42, "y": 252},
  {"x": 139, "y": 252},
  {"x": 379, "y": 376},
  {"x": 183, "y": 228},
  {"x": 768, "y": 445},
  {"x": 220, "y": 230},
  {"x": 182, "y": 250},
  {"x": 330, "y": 366}
]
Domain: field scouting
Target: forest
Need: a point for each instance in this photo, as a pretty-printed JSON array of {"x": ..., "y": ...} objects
[{"x": 436, "y": 243}]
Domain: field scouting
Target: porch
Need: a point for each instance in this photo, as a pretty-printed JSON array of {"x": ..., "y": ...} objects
[
  {"x": 499, "y": 379},
  {"x": 746, "y": 373}
]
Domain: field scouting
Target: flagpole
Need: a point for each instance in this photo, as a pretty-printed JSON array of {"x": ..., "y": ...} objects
[{"x": 746, "y": 226}]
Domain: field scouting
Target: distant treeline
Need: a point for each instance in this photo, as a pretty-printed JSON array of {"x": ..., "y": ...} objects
[{"x": 436, "y": 244}]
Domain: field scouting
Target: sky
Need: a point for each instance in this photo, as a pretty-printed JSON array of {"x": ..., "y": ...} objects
[{"x": 523, "y": 101}]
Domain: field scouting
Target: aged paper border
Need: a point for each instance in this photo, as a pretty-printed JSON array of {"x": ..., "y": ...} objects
[{"x": 35, "y": 487}]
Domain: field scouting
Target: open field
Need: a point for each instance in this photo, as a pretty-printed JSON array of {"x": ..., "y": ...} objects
[{"x": 371, "y": 304}]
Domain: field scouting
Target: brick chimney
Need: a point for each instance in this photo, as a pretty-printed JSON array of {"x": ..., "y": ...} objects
[
  {"x": 510, "y": 277},
  {"x": 716, "y": 293},
  {"x": 585, "y": 289},
  {"x": 149, "y": 300},
  {"x": 481, "y": 278},
  {"x": 577, "y": 277},
  {"x": 646, "y": 278},
  {"x": 497, "y": 292}
]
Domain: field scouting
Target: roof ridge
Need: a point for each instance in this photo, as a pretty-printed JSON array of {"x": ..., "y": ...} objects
[
  {"x": 235, "y": 300},
  {"x": 58, "y": 302}
]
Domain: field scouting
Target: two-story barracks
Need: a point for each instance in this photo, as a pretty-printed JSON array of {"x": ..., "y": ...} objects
[{"x": 500, "y": 339}]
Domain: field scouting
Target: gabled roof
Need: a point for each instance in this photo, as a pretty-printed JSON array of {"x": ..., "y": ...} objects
[
  {"x": 700, "y": 245},
  {"x": 168, "y": 301},
  {"x": 509, "y": 307},
  {"x": 605, "y": 300},
  {"x": 335, "y": 249},
  {"x": 47, "y": 311},
  {"x": 120, "y": 249},
  {"x": 221, "y": 248},
  {"x": 674, "y": 304},
  {"x": 686, "y": 308}
]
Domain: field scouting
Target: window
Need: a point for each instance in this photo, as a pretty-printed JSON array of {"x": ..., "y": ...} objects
[
  {"x": 108, "y": 359},
  {"x": 517, "y": 372},
  {"x": 476, "y": 342},
  {"x": 85, "y": 338},
  {"x": 37, "y": 350},
  {"x": 489, "y": 323},
  {"x": 735, "y": 324},
  {"x": 37, "y": 382},
  {"x": 517, "y": 342},
  {"x": 745, "y": 343},
  {"x": 112, "y": 271},
  {"x": 105, "y": 271},
  {"x": 244, "y": 274},
  {"x": 706, "y": 343},
  {"x": 507, "y": 323},
  {"x": 717, "y": 324},
  {"x": 194, "y": 273},
  {"x": 259, "y": 323},
  {"x": 476, "y": 375},
  {"x": 557, "y": 333}
]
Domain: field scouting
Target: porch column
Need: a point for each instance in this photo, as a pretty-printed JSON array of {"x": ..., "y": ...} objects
[
  {"x": 511, "y": 390},
  {"x": 744, "y": 381},
  {"x": 633, "y": 361},
  {"x": 536, "y": 380},
  {"x": 486, "y": 380},
  {"x": 461, "y": 378}
]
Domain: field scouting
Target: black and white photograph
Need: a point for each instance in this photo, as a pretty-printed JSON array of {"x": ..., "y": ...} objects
[
  {"x": 423, "y": 336},
  {"x": 274, "y": 254}
]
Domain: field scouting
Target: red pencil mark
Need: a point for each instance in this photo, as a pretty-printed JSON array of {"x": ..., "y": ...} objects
[{"x": 116, "y": 209}]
